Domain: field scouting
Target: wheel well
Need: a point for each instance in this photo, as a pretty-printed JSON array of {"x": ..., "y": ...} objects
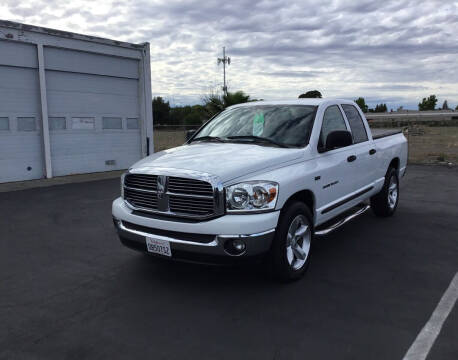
[
  {"x": 305, "y": 196},
  {"x": 394, "y": 164}
]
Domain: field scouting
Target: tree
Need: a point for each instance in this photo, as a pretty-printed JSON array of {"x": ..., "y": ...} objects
[
  {"x": 380, "y": 108},
  {"x": 362, "y": 104},
  {"x": 445, "y": 106},
  {"x": 215, "y": 103},
  {"x": 161, "y": 110},
  {"x": 195, "y": 114},
  {"x": 428, "y": 103},
  {"x": 187, "y": 115},
  {"x": 456, "y": 107},
  {"x": 311, "y": 94}
]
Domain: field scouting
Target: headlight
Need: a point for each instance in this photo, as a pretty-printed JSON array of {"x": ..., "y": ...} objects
[{"x": 251, "y": 196}]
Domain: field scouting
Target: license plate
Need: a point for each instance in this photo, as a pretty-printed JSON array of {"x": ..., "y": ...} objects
[{"x": 157, "y": 246}]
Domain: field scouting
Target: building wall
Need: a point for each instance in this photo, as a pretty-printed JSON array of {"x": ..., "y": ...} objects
[{"x": 86, "y": 102}]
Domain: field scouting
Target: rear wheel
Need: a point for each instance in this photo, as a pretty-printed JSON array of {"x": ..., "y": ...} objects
[
  {"x": 293, "y": 241},
  {"x": 386, "y": 201}
]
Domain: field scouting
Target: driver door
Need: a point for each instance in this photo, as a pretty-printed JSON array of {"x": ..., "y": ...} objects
[{"x": 336, "y": 173}]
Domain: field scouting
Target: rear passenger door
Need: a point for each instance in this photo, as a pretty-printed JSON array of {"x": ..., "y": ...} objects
[{"x": 362, "y": 166}]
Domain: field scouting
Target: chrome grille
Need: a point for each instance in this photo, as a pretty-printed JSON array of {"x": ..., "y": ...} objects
[
  {"x": 147, "y": 182},
  {"x": 140, "y": 199},
  {"x": 186, "y": 186},
  {"x": 191, "y": 205},
  {"x": 182, "y": 196}
]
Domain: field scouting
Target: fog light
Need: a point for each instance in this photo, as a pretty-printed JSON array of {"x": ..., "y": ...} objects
[
  {"x": 239, "y": 245},
  {"x": 116, "y": 222},
  {"x": 235, "y": 247}
]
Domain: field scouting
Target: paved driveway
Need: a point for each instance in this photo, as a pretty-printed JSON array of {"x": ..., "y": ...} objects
[{"x": 69, "y": 290}]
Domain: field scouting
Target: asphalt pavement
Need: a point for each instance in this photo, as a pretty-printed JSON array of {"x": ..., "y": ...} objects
[{"x": 70, "y": 290}]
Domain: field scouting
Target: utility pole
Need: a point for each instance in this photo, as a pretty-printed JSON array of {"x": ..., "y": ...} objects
[{"x": 225, "y": 60}]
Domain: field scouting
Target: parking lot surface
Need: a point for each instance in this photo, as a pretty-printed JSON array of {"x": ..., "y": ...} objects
[{"x": 69, "y": 290}]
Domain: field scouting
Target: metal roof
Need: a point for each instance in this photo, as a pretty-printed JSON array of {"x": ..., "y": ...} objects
[{"x": 67, "y": 34}]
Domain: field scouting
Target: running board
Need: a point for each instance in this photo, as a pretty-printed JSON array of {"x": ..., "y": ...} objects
[{"x": 327, "y": 229}]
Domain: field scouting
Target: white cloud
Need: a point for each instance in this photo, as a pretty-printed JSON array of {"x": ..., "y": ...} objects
[{"x": 399, "y": 51}]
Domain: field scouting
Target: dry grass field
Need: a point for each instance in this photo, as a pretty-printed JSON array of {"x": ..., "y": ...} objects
[
  {"x": 431, "y": 144},
  {"x": 166, "y": 139}
]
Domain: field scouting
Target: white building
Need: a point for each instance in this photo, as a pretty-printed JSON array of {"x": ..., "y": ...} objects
[{"x": 70, "y": 103}]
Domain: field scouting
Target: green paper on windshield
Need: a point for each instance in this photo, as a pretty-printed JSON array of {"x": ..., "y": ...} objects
[{"x": 258, "y": 124}]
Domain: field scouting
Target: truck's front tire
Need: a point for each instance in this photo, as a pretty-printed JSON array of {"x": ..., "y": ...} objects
[
  {"x": 384, "y": 204},
  {"x": 292, "y": 243}
]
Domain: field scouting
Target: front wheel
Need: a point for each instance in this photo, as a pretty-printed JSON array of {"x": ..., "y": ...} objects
[
  {"x": 293, "y": 241},
  {"x": 384, "y": 204}
]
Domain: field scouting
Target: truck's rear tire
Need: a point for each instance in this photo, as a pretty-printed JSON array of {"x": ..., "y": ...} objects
[
  {"x": 384, "y": 204},
  {"x": 292, "y": 244}
]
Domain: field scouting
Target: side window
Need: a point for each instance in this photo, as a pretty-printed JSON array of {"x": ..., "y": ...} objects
[
  {"x": 83, "y": 123},
  {"x": 112, "y": 123},
  {"x": 4, "y": 123},
  {"x": 332, "y": 121},
  {"x": 57, "y": 123},
  {"x": 356, "y": 124},
  {"x": 132, "y": 123},
  {"x": 26, "y": 124}
]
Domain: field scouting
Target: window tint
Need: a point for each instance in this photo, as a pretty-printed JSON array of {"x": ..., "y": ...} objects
[
  {"x": 356, "y": 123},
  {"x": 57, "y": 123},
  {"x": 4, "y": 123},
  {"x": 83, "y": 123},
  {"x": 132, "y": 123},
  {"x": 332, "y": 121},
  {"x": 112, "y": 123},
  {"x": 26, "y": 124}
]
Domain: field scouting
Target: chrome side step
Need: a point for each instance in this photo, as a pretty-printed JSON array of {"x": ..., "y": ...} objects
[{"x": 338, "y": 224}]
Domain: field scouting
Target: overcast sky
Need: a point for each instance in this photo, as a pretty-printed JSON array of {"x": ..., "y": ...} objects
[{"x": 386, "y": 51}]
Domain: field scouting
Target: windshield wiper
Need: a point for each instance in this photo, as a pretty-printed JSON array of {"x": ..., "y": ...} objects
[
  {"x": 257, "y": 139},
  {"x": 208, "y": 138}
]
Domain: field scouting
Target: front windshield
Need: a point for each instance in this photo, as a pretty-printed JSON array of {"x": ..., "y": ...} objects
[{"x": 288, "y": 125}]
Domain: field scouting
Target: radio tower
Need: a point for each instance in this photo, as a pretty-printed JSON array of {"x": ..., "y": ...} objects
[{"x": 225, "y": 60}]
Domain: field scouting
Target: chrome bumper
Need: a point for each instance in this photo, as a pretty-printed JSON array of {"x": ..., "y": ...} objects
[{"x": 256, "y": 244}]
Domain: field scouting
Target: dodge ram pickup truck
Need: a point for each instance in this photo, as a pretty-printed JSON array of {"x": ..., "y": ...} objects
[{"x": 261, "y": 180}]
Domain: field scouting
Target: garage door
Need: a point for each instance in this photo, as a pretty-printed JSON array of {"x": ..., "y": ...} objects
[
  {"x": 20, "y": 137},
  {"x": 93, "y": 107}
]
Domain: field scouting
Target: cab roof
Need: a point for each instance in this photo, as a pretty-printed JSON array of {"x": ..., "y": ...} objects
[{"x": 305, "y": 101}]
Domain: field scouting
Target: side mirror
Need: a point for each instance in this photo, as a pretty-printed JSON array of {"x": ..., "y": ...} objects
[
  {"x": 338, "y": 139},
  {"x": 190, "y": 134}
]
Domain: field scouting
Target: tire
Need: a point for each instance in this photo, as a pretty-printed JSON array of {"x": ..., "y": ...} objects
[
  {"x": 384, "y": 204},
  {"x": 291, "y": 254}
]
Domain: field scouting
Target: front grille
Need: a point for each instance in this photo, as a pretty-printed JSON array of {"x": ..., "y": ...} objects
[
  {"x": 191, "y": 205},
  {"x": 146, "y": 182},
  {"x": 140, "y": 199},
  {"x": 186, "y": 186},
  {"x": 182, "y": 197}
]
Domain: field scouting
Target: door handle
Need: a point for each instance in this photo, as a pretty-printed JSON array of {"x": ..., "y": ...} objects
[
  {"x": 372, "y": 151},
  {"x": 351, "y": 158}
]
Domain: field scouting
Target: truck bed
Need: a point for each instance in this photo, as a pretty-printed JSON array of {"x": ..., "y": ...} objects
[{"x": 378, "y": 133}]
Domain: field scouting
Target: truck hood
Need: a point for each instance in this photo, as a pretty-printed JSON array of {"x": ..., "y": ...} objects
[{"x": 224, "y": 160}]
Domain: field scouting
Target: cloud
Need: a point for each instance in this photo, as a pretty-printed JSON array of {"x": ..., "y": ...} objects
[
  {"x": 396, "y": 87},
  {"x": 279, "y": 49},
  {"x": 290, "y": 74}
]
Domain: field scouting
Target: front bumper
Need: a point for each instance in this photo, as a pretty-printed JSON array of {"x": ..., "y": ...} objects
[{"x": 202, "y": 242}]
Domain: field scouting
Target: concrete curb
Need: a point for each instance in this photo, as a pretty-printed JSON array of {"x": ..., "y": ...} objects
[{"x": 30, "y": 184}]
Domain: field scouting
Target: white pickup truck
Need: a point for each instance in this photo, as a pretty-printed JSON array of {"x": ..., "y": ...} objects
[{"x": 261, "y": 180}]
